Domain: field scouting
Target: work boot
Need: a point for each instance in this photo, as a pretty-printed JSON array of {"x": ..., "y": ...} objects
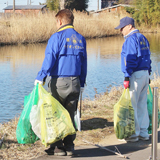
[{"x": 50, "y": 151}]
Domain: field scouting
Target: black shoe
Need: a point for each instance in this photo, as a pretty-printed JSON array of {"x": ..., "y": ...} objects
[{"x": 50, "y": 151}]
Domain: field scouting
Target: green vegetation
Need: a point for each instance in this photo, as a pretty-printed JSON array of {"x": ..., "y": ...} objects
[
  {"x": 145, "y": 12},
  {"x": 53, "y": 5},
  {"x": 78, "y": 5},
  {"x": 124, "y": 1},
  {"x": 69, "y": 4}
]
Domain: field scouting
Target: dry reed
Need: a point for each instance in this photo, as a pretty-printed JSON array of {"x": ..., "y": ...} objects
[
  {"x": 97, "y": 124},
  {"x": 27, "y": 29},
  {"x": 38, "y": 28}
]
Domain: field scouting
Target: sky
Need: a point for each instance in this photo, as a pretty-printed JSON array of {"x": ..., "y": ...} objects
[{"x": 92, "y": 4}]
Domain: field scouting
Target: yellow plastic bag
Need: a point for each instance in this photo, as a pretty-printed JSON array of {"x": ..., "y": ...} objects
[
  {"x": 56, "y": 123},
  {"x": 124, "y": 125}
]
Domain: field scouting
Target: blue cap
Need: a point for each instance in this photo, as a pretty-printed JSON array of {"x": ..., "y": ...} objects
[{"x": 125, "y": 21}]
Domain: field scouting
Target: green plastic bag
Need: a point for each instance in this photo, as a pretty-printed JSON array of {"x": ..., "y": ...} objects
[
  {"x": 24, "y": 132},
  {"x": 124, "y": 125},
  {"x": 149, "y": 107}
]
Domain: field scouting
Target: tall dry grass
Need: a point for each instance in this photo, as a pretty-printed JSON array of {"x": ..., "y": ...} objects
[
  {"x": 27, "y": 29},
  {"x": 38, "y": 28}
]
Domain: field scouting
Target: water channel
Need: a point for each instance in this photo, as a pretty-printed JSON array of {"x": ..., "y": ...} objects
[{"x": 20, "y": 64}]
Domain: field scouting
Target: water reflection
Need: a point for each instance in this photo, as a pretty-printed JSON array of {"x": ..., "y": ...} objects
[
  {"x": 103, "y": 65},
  {"x": 18, "y": 68},
  {"x": 154, "y": 40},
  {"x": 20, "y": 64}
]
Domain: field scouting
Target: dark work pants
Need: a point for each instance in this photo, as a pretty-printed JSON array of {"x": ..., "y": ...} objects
[{"x": 66, "y": 90}]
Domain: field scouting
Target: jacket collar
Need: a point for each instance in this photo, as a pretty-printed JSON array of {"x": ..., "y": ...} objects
[
  {"x": 132, "y": 32},
  {"x": 65, "y": 27}
]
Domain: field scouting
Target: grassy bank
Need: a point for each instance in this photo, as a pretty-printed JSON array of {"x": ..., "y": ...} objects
[
  {"x": 38, "y": 28},
  {"x": 97, "y": 124}
]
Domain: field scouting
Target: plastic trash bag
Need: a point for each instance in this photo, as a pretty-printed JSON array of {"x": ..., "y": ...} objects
[
  {"x": 77, "y": 120},
  {"x": 35, "y": 120},
  {"x": 55, "y": 120},
  {"x": 149, "y": 107},
  {"x": 24, "y": 132},
  {"x": 124, "y": 125}
]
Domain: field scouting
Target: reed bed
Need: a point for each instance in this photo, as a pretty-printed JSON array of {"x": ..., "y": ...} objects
[
  {"x": 27, "y": 29},
  {"x": 97, "y": 124},
  {"x": 31, "y": 28},
  {"x": 38, "y": 28}
]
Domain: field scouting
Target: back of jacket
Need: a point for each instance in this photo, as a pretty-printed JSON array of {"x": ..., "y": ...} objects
[
  {"x": 65, "y": 55},
  {"x": 135, "y": 55}
]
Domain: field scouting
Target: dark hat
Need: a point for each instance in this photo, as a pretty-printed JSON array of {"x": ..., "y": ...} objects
[{"x": 125, "y": 21}]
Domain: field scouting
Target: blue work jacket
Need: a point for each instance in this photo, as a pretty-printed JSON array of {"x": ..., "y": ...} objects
[
  {"x": 135, "y": 55},
  {"x": 65, "y": 55}
]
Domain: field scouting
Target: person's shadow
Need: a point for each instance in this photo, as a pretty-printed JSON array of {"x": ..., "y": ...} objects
[
  {"x": 95, "y": 123},
  {"x": 125, "y": 148}
]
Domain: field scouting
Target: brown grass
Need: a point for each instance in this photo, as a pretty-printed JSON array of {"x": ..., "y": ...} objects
[
  {"x": 27, "y": 29},
  {"x": 38, "y": 28},
  {"x": 19, "y": 29},
  {"x": 12, "y": 150},
  {"x": 97, "y": 124}
]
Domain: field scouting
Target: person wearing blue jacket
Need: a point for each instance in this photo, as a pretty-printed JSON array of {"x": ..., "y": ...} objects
[
  {"x": 66, "y": 63},
  {"x": 136, "y": 66}
]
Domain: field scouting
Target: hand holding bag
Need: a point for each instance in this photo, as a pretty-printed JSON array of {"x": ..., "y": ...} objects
[{"x": 124, "y": 125}]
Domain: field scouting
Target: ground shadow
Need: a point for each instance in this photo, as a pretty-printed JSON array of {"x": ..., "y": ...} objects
[
  {"x": 125, "y": 148},
  {"x": 93, "y": 152},
  {"x": 95, "y": 123}
]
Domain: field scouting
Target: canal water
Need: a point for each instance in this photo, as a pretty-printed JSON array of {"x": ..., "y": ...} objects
[{"x": 20, "y": 64}]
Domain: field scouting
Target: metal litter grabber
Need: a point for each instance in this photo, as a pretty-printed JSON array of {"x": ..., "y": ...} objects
[
  {"x": 80, "y": 103},
  {"x": 101, "y": 147},
  {"x": 117, "y": 153}
]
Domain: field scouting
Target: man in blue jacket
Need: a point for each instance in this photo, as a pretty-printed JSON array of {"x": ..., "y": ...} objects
[
  {"x": 136, "y": 66},
  {"x": 66, "y": 63}
]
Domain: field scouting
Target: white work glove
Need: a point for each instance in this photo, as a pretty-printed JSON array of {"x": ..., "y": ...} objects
[
  {"x": 40, "y": 82},
  {"x": 82, "y": 89}
]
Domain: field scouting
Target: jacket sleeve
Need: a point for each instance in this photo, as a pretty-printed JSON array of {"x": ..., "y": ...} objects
[
  {"x": 50, "y": 58},
  {"x": 129, "y": 57},
  {"x": 83, "y": 74}
]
